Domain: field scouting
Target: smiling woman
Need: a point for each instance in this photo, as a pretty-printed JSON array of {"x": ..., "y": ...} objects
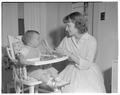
[{"x": 82, "y": 74}]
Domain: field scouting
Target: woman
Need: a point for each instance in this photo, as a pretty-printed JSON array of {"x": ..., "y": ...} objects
[{"x": 82, "y": 74}]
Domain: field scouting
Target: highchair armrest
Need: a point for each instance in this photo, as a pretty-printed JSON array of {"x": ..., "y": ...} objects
[
  {"x": 14, "y": 60},
  {"x": 10, "y": 55}
]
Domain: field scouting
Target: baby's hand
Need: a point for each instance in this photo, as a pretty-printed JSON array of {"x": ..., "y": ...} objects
[{"x": 21, "y": 59}]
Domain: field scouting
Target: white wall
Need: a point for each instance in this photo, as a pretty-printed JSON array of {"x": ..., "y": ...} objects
[
  {"x": 55, "y": 13},
  {"x": 9, "y": 27},
  {"x": 9, "y": 21},
  {"x": 106, "y": 34},
  {"x": 21, "y": 10},
  {"x": 51, "y": 19}
]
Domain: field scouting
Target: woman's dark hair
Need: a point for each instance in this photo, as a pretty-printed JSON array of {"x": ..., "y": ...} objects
[
  {"x": 27, "y": 37},
  {"x": 78, "y": 19}
]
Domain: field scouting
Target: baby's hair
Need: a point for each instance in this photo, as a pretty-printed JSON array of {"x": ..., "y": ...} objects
[{"x": 27, "y": 37}]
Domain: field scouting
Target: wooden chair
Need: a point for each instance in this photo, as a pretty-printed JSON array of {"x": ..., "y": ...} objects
[{"x": 19, "y": 72}]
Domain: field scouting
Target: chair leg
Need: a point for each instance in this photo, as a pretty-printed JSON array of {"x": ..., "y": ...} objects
[
  {"x": 57, "y": 90},
  {"x": 18, "y": 88},
  {"x": 9, "y": 86},
  {"x": 31, "y": 89},
  {"x": 36, "y": 88},
  {"x": 8, "y": 89}
]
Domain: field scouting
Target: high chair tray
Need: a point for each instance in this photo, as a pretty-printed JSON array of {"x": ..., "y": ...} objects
[{"x": 46, "y": 59}]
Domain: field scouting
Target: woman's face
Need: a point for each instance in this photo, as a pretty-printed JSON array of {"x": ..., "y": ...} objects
[{"x": 71, "y": 29}]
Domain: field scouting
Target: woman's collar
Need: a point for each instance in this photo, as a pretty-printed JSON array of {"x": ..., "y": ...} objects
[{"x": 85, "y": 36}]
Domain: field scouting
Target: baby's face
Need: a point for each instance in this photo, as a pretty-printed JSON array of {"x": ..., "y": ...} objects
[{"x": 35, "y": 40}]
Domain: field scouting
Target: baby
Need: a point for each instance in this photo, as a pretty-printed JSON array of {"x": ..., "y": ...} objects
[{"x": 34, "y": 48}]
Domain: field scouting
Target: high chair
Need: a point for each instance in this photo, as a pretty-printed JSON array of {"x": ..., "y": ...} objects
[
  {"x": 20, "y": 78},
  {"x": 19, "y": 72}
]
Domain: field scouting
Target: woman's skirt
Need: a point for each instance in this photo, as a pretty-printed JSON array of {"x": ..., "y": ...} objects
[{"x": 82, "y": 80}]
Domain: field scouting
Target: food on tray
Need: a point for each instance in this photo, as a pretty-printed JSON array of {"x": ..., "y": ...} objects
[
  {"x": 33, "y": 59},
  {"x": 47, "y": 57}
]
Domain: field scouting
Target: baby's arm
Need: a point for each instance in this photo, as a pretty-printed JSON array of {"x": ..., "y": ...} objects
[{"x": 22, "y": 59}]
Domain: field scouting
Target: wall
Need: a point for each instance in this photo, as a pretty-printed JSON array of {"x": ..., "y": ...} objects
[
  {"x": 90, "y": 18},
  {"x": 9, "y": 21},
  {"x": 45, "y": 17},
  {"x": 54, "y": 17},
  {"x": 9, "y": 27},
  {"x": 106, "y": 34},
  {"x": 21, "y": 10},
  {"x": 51, "y": 20}
]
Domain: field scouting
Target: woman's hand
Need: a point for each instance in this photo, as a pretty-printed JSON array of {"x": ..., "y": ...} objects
[
  {"x": 56, "y": 52},
  {"x": 72, "y": 57}
]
